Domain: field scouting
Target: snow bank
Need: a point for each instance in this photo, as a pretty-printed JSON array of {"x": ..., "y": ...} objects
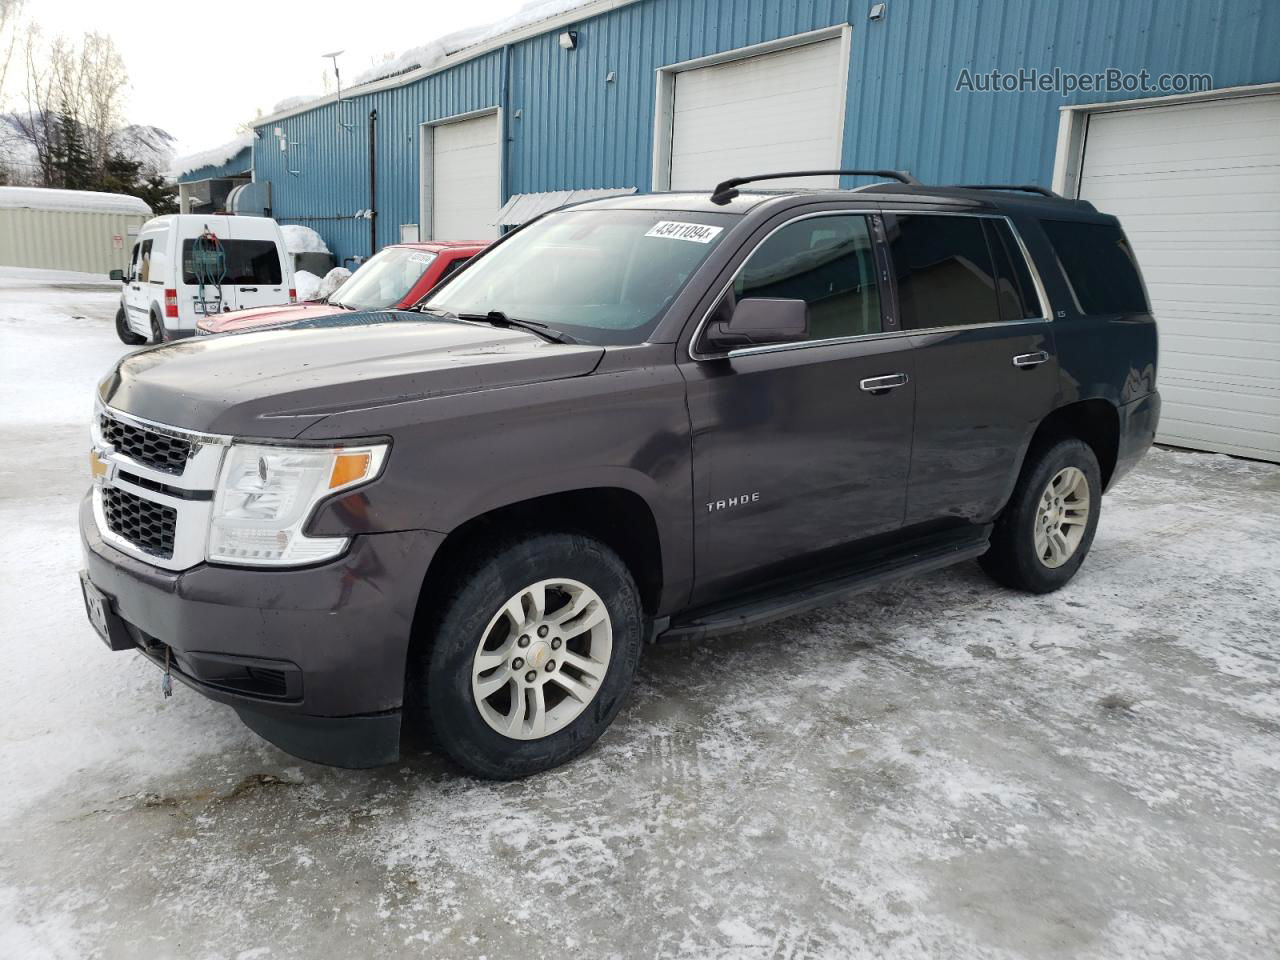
[
  {"x": 74, "y": 201},
  {"x": 211, "y": 157},
  {"x": 300, "y": 239},
  {"x": 311, "y": 287},
  {"x": 306, "y": 285},
  {"x": 332, "y": 281}
]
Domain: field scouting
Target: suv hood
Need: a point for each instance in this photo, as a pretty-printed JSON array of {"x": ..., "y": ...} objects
[{"x": 276, "y": 383}]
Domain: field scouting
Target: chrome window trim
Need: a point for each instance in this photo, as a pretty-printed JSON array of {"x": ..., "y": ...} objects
[
  {"x": 1046, "y": 308},
  {"x": 884, "y": 335}
]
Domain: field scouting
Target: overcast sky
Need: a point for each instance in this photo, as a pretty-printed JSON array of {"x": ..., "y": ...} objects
[{"x": 198, "y": 70}]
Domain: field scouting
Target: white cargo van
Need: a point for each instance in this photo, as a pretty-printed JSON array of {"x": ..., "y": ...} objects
[{"x": 186, "y": 266}]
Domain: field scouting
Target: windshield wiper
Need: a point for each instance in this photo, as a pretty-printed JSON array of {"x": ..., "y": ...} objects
[{"x": 497, "y": 318}]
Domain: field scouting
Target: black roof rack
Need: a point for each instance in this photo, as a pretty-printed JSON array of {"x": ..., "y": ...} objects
[
  {"x": 728, "y": 189},
  {"x": 1023, "y": 187}
]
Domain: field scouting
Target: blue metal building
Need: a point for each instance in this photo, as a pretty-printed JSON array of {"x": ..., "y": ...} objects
[
  {"x": 585, "y": 117},
  {"x": 1165, "y": 112}
]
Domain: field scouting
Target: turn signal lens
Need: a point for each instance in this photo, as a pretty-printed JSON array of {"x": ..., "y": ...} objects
[{"x": 348, "y": 468}]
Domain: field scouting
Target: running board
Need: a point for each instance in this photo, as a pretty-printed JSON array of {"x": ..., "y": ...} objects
[{"x": 830, "y": 587}]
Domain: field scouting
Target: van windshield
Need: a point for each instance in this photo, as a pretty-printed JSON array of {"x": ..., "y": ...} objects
[
  {"x": 248, "y": 262},
  {"x": 385, "y": 280},
  {"x": 601, "y": 276}
]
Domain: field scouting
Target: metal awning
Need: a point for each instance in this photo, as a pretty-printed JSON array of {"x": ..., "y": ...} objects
[{"x": 523, "y": 207}]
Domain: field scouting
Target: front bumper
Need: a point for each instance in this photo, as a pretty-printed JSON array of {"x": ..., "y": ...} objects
[{"x": 312, "y": 659}]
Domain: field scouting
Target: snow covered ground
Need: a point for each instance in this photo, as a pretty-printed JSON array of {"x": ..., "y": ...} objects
[{"x": 937, "y": 769}]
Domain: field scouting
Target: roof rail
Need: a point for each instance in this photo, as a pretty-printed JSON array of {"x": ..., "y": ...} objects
[
  {"x": 1024, "y": 187},
  {"x": 726, "y": 190}
]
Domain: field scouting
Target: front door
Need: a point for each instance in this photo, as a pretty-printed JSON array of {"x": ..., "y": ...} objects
[
  {"x": 801, "y": 447},
  {"x": 986, "y": 373},
  {"x": 137, "y": 293}
]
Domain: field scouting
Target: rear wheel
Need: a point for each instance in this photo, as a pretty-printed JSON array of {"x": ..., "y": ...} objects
[
  {"x": 1045, "y": 531},
  {"x": 532, "y": 656},
  {"x": 123, "y": 331}
]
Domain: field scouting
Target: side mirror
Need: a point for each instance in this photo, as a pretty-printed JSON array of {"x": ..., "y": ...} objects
[
  {"x": 116, "y": 275},
  {"x": 758, "y": 320}
]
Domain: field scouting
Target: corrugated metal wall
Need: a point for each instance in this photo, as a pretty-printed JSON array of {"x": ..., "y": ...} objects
[
  {"x": 322, "y": 178},
  {"x": 569, "y": 128},
  {"x": 67, "y": 240}
]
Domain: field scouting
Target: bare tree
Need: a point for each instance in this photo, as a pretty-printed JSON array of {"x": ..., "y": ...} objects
[
  {"x": 70, "y": 87},
  {"x": 9, "y": 13}
]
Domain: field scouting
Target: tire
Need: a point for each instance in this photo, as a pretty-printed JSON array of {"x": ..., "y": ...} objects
[
  {"x": 125, "y": 334},
  {"x": 1017, "y": 558},
  {"x": 464, "y": 722},
  {"x": 158, "y": 333}
]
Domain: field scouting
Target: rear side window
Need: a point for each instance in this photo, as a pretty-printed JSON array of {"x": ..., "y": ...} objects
[
  {"x": 1015, "y": 293},
  {"x": 1098, "y": 265},
  {"x": 144, "y": 266},
  {"x": 829, "y": 263},
  {"x": 945, "y": 273},
  {"x": 248, "y": 262}
]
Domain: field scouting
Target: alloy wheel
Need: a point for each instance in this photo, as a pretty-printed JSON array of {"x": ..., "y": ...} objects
[
  {"x": 1062, "y": 517},
  {"x": 542, "y": 659}
]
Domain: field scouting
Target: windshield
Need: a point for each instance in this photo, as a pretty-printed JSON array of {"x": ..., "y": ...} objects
[
  {"x": 383, "y": 281},
  {"x": 601, "y": 276}
]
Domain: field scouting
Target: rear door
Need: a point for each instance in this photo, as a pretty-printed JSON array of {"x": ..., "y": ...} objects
[
  {"x": 986, "y": 373},
  {"x": 795, "y": 449},
  {"x": 256, "y": 272}
]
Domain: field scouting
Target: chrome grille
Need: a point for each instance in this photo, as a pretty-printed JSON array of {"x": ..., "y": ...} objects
[
  {"x": 154, "y": 449},
  {"x": 151, "y": 527}
]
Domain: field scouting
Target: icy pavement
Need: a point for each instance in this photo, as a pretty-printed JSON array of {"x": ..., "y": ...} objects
[{"x": 940, "y": 769}]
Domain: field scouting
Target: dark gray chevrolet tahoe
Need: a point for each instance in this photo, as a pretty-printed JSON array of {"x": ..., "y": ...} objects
[{"x": 673, "y": 415}]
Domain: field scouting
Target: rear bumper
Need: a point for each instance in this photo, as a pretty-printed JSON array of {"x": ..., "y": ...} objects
[
  {"x": 312, "y": 659},
  {"x": 1138, "y": 422}
]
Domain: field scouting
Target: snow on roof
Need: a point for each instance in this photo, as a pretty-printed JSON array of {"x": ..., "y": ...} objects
[
  {"x": 211, "y": 157},
  {"x": 434, "y": 53},
  {"x": 76, "y": 201}
]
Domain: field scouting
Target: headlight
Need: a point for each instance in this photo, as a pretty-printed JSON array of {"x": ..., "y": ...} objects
[{"x": 265, "y": 494}]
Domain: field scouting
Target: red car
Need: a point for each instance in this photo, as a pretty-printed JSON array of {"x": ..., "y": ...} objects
[{"x": 396, "y": 278}]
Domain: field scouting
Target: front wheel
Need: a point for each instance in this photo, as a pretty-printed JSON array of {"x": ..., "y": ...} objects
[
  {"x": 1045, "y": 531},
  {"x": 123, "y": 331},
  {"x": 532, "y": 656}
]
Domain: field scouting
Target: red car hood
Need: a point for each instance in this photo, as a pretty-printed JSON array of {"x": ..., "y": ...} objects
[{"x": 265, "y": 316}]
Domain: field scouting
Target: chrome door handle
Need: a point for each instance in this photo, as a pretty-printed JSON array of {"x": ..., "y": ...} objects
[
  {"x": 1030, "y": 359},
  {"x": 881, "y": 384}
]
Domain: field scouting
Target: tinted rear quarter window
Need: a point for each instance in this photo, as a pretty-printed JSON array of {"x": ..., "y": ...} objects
[
  {"x": 946, "y": 277},
  {"x": 1098, "y": 266}
]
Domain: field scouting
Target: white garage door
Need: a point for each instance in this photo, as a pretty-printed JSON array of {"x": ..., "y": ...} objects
[
  {"x": 779, "y": 111},
  {"x": 465, "y": 184},
  {"x": 1197, "y": 188}
]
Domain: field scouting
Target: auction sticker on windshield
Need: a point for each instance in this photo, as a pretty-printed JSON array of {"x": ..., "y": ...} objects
[{"x": 676, "y": 230}]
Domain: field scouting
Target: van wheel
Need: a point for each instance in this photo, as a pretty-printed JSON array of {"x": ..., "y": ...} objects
[
  {"x": 532, "y": 656},
  {"x": 125, "y": 334},
  {"x": 1046, "y": 529},
  {"x": 158, "y": 334}
]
